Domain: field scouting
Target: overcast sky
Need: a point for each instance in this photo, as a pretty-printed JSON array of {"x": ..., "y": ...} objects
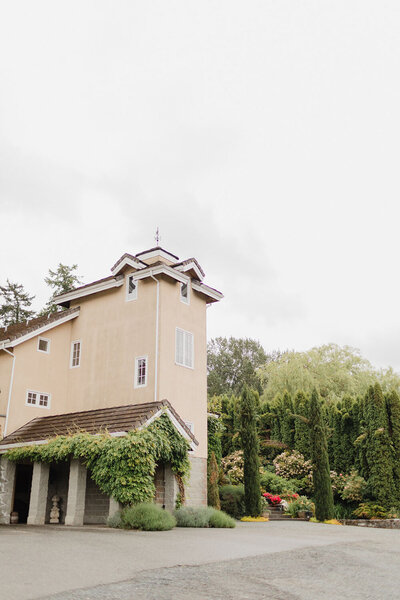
[{"x": 263, "y": 138}]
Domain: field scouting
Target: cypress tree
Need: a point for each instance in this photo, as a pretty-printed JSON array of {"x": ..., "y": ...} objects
[
  {"x": 378, "y": 448},
  {"x": 212, "y": 483},
  {"x": 323, "y": 495},
  {"x": 393, "y": 411},
  {"x": 250, "y": 446},
  {"x": 287, "y": 423},
  {"x": 301, "y": 428}
]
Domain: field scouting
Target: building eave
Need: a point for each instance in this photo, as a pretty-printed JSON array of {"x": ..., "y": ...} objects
[
  {"x": 39, "y": 330},
  {"x": 89, "y": 290}
]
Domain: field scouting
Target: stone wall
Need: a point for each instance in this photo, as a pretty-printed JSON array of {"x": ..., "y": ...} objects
[
  {"x": 159, "y": 482},
  {"x": 378, "y": 523},
  {"x": 196, "y": 488},
  {"x": 97, "y": 504},
  {"x": 7, "y": 478}
]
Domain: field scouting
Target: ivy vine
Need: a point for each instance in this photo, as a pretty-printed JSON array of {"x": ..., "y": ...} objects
[{"x": 122, "y": 467}]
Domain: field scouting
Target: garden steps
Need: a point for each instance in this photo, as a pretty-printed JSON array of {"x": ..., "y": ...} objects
[{"x": 276, "y": 514}]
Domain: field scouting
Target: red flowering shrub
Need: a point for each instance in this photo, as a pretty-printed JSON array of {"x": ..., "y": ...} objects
[{"x": 274, "y": 500}]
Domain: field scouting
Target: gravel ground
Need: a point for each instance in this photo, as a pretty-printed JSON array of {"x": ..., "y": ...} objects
[{"x": 276, "y": 560}]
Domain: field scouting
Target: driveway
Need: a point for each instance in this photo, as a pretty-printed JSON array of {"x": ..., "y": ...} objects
[{"x": 277, "y": 560}]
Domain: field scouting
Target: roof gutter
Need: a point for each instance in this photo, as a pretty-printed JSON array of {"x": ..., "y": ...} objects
[
  {"x": 157, "y": 320},
  {"x": 10, "y": 388}
]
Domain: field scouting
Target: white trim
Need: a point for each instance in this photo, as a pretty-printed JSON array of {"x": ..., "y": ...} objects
[
  {"x": 90, "y": 289},
  {"x": 23, "y": 444},
  {"x": 71, "y": 366},
  {"x": 129, "y": 297},
  {"x": 39, "y": 330},
  {"x": 130, "y": 262},
  {"x": 159, "y": 252},
  {"x": 190, "y": 425},
  {"x": 182, "y": 364},
  {"x": 136, "y": 384},
  {"x": 48, "y": 345},
  {"x": 37, "y": 405},
  {"x": 189, "y": 266},
  {"x": 182, "y": 298},
  {"x": 162, "y": 270},
  {"x": 207, "y": 291},
  {"x": 165, "y": 410}
]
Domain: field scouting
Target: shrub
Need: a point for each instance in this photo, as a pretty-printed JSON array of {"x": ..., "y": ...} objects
[
  {"x": 370, "y": 510},
  {"x": 232, "y": 466},
  {"x": 292, "y": 465},
  {"x": 115, "y": 521},
  {"x": 354, "y": 487},
  {"x": 274, "y": 484},
  {"x": 188, "y": 516},
  {"x": 218, "y": 518},
  {"x": 147, "y": 517},
  {"x": 300, "y": 503},
  {"x": 342, "y": 511},
  {"x": 212, "y": 482},
  {"x": 232, "y": 500}
]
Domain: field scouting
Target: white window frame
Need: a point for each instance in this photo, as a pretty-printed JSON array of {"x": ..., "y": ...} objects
[
  {"x": 136, "y": 384},
  {"x": 183, "y": 299},
  {"x": 184, "y": 363},
  {"x": 131, "y": 296},
  {"x": 38, "y": 394},
  {"x": 48, "y": 345},
  {"x": 71, "y": 366}
]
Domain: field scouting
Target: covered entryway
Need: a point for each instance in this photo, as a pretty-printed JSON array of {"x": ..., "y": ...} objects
[{"x": 22, "y": 491}]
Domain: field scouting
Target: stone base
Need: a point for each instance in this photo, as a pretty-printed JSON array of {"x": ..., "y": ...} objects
[
  {"x": 196, "y": 488},
  {"x": 377, "y": 523}
]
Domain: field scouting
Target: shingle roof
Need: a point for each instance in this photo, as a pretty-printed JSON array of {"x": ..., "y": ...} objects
[
  {"x": 117, "y": 418},
  {"x": 157, "y": 248},
  {"x": 12, "y": 332},
  {"x": 187, "y": 262}
]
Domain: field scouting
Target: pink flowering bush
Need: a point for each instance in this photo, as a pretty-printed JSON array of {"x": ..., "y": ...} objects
[
  {"x": 292, "y": 465},
  {"x": 232, "y": 467}
]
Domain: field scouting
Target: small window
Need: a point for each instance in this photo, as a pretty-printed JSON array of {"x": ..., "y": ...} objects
[
  {"x": 141, "y": 372},
  {"x": 43, "y": 345},
  {"x": 131, "y": 288},
  {"x": 184, "y": 348},
  {"x": 37, "y": 399},
  {"x": 75, "y": 354},
  {"x": 185, "y": 293}
]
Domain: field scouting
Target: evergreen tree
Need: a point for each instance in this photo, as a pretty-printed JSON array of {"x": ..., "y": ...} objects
[
  {"x": 393, "y": 411},
  {"x": 378, "y": 448},
  {"x": 323, "y": 495},
  {"x": 287, "y": 422},
  {"x": 301, "y": 428},
  {"x": 250, "y": 445},
  {"x": 61, "y": 280},
  {"x": 16, "y": 303},
  {"x": 214, "y": 428},
  {"x": 212, "y": 483}
]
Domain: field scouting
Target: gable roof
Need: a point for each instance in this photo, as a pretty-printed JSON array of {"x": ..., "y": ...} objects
[
  {"x": 117, "y": 420},
  {"x": 15, "y": 334}
]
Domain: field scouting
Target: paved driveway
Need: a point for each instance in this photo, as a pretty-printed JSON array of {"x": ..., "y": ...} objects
[{"x": 276, "y": 560}]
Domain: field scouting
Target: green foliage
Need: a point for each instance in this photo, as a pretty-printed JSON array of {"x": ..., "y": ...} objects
[
  {"x": 323, "y": 495},
  {"x": 214, "y": 431},
  {"x": 122, "y": 467},
  {"x": 61, "y": 280},
  {"x": 250, "y": 445},
  {"x": 190, "y": 516},
  {"x": 147, "y": 517},
  {"x": 274, "y": 484},
  {"x": 232, "y": 500},
  {"x": 292, "y": 465},
  {"x": 220, "y": 519},
  {"x": 15, "y": 305},
  {"x": 393, "y": 412},
  {"x": 301, "y": 503},
  {"x": 212, "y": 483},
  {"x": 343, "y": 511},
  {"x": 232, "y": 467},
  {"x": 370, "y": 510},
  {"x": 115, "y": 521},
  {"x": 350, "y": 488},
  {"x": 301, "y": 429},
  {"x": 232, "y": 363}
]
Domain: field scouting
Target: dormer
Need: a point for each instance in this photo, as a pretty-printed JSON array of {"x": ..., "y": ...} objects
[{"x": 157, "y": 255}]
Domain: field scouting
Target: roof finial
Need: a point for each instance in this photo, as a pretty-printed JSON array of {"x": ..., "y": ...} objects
[{"x": 157, "y": 237}]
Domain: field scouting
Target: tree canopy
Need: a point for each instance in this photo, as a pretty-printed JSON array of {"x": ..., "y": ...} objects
[
  {"x": 61, "y": 280},
  {"x": 15, "y": 305}
]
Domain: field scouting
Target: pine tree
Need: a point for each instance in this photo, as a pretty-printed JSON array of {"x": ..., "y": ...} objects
[
  {"x": 393, "y": 410},
  {"x": 16, "y": 303},
  {"x": 212, "y": 483},
  {"x": 61, "y": 280},
  {"x": 323, "y": 495},
  {"x": 250, "y": 446},
  {"x": 378, "y": 448}
]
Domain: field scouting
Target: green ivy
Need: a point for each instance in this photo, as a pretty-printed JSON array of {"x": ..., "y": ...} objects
[{"x": 122, "y": 467}]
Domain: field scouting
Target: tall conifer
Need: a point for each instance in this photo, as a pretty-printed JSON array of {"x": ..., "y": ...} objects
[
  {"x": 323, "y": 495},
  {"x": 250, "y": 446}
]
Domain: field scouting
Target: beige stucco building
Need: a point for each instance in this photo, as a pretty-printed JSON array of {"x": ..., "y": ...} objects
[{"x": 134, "y": 338}]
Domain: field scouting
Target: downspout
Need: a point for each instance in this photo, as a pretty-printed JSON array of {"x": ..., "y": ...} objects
[
  {"x": 156, "y": 360},
  {"x": 10, "y": 389}
]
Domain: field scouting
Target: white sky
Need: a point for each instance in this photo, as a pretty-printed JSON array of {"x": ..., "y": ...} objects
[{"x": 261, "y": 137}]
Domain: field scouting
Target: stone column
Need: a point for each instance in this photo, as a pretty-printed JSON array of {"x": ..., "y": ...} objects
[
  {"x": 196, "y": 489},
  {"x": 39, "y": 491},
  {"x": 171, "y": 488},
  {"x": 114, "y": 507},
  {"x": 7, "y": 482},
  {"x": 76, "y": 494}
]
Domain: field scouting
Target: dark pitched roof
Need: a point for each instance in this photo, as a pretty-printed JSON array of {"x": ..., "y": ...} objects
[
  {"x": 12, "y": 332},
  {"x": 126, "y": 255},
  {"x": 187, "y": 262},
  {"x": 157, "y": 248},
  {"x": 117, "y": 418}
]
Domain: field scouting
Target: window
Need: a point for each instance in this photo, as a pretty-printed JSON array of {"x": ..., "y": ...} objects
[
  {"x": 185, "y": 293},
  {"x": 141, "y": 371},
  {"x": 43, "y": 345},
  {"x": 131, "y": 288},
  {"x": 75, "y": 354},
  {"x": 184, "y": 348},
  {"x": 37, "y": 399}
]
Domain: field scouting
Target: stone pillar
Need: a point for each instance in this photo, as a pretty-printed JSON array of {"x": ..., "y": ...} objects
[
  {"x": 171, "y": 488},
  {"x": 7, "y": 482},
  {"x": 196, "y": 488},
  {"x": 76, "y": 494},
  {"x": 114, "y": 507},
  {"x": 39, "y": 491}
]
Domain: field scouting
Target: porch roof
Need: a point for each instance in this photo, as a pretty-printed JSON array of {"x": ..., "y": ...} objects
[{"x": 117, "y": 420}]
